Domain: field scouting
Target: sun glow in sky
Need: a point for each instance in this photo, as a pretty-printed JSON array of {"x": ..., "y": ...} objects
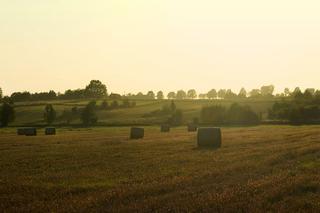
[{"x": 146, "y": 45}]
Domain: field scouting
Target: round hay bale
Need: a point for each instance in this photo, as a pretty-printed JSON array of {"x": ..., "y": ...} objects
[
  {"x": 165, "y": 128},
  {"x": 50, "y": 131},
  {"x": 192, "y": 127},
  {"x": 21, "y": 131},
  {"x": 136, "y": 133},
  {"x": 209, "y": 137},
  {"x": 30, "y": 131}
]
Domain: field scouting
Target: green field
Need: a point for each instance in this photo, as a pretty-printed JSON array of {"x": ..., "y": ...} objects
[
  {"x": 264, "y": 168},
  {"x": 31, "y": 113}
]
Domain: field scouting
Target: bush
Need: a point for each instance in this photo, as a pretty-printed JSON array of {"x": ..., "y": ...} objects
[
  {"x": 213, "y": 114},
  {"x": 296, "y": 112},
  {"x": 104, "y": 105},
  {"x": 176, "y": 118},
  {"x": 7, "y": 114},
  {"x": 304, "y": 114},
  {"x": 114, "y": 104},
  {"x": 49, "y": 114},
  {"x": 236, "y": 114},
  {"x": 88, "y": 115}
]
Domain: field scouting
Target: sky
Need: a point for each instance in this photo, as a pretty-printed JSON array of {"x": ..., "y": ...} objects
[{"x": 167, "y": 45}]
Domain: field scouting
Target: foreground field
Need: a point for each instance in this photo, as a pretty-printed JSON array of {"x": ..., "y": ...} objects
[{"x": 267, "y": 168}]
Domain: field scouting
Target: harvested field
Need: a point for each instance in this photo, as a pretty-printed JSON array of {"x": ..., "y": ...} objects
[{"x": 265, "y": 168}]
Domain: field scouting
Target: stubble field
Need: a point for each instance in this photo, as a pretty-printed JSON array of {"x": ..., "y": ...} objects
[{"x": 264, "y": 168}]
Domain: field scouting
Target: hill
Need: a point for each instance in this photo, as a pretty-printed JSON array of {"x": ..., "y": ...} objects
[{"x": 31, "y": 113}]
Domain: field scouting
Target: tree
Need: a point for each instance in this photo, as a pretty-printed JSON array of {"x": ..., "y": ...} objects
[
  {"x": 242, "y": 93},
  {"x": 297, "y": 94},
  {"x": 115, "y": 96},
  {"x": 255, "y": 93},
  {"x": 20, "y": 96},
  {"x": 104, "y": 105},
  {"x": 114, "y": 104},
  {"x": 212, "y": 94},
  {"x": 69, "y": 115},
  {"x": 74, "y": 94},
  {"x": 49, "y": 114},
  {"x": 96, "y": 89},
  {"x": 140, "y": 95},
  {"x": 308, "y": 94},
  {"x": 151, "y": 95},
  {"x": 88, "y": 115},
  {"x": 287, "y": 92},
  {"x": 192, "y": 94},
  {"x": 267, "y": 91},
  {"x": 222, "y": 93},
  {"x": 1, "y": 94},
  {"x": 173, "y": 106},
  {"x": 126, "y": 103},
  {"x": 176, "y": 118},
  {"x": 171, "y": 95},
  {"x": 311, "y": 91},
  {"x": 7, "y": 114},
  {"x": 160, "y": 95},
  {"x": 317, "y": 96},
  {"x": 213, "y": 114},
  {"x": 181, "y": 95},
  {"x": 229, "y": 94},
  {"x": 244, "y": 115}
]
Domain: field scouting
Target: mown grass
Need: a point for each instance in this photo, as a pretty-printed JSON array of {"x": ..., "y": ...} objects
[{"x": 258, "y": 169}]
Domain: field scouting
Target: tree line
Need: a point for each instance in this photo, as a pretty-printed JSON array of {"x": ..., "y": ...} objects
[
  {"x": 297, "y": 107},
  {"x": 303, "y": 108},
  {"x": 97, "y": 90}
]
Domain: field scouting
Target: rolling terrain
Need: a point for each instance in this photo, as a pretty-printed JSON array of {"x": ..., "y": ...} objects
[{"x": 32, "y": 113}]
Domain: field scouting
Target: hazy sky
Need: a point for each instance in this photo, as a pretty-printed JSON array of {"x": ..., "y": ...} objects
[{"x": 138, "y": 45}]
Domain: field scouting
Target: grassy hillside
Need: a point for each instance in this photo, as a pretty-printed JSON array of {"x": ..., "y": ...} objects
[
  {"x": 32, "y": 113},
  {"x": 257, "y": 169}
]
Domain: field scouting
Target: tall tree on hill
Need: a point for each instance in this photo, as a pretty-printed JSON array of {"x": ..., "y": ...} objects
[
  {"x": 49, "y": 114},
  {"x": 160, "y": 95},
  {"x": 212, "y": 94},
  {"x": 96, "y": 89},
  {"x": 192, "y": 94},
  {"x": 7, "y": 114},
  {"x": 181, "y": 95}
]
